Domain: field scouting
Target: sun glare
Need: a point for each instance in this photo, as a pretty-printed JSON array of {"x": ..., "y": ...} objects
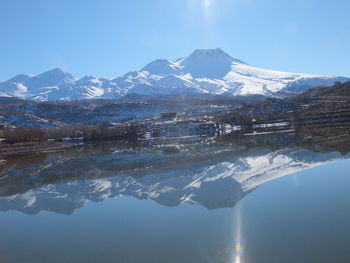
[{"x": 207, "y": 4}]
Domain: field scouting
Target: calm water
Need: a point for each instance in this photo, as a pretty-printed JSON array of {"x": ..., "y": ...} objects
[{"x": 265, "y": 200}]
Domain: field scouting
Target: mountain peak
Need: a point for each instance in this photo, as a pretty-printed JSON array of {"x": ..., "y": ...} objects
[
  {"x": 217, "y": 52},
  {"x": 51, "y": 78},
  {"x": 57, "y": 74},
  {"x": 208, "y": 63},
  {"x": 207, "y": 71},
  {"x": 55, "y": 71},
  {"x": 162, "y": 67}
]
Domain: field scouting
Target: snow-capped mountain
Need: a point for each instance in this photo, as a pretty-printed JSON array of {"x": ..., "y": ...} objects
[{"x": 203, "y": 72}]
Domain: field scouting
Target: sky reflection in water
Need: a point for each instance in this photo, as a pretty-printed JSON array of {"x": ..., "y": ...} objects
[{"x": 208, "y": 202}]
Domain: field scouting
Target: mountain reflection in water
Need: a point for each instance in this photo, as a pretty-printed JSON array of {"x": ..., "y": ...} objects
[{"x": 213, "y": 173}]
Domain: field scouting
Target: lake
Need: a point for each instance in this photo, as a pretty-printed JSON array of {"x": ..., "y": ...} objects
[{"x": 233, "y": 199}]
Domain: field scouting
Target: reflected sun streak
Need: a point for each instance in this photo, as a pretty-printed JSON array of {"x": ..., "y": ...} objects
[
  {"x": 238, "y": 252},
  {"x": 238, "y": 246}
]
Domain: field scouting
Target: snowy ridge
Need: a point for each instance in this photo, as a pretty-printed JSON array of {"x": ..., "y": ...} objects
[{"x": 209, "y": 71}]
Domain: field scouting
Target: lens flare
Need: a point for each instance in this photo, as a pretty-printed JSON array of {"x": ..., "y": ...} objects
[{"x": 207, "y": 4}]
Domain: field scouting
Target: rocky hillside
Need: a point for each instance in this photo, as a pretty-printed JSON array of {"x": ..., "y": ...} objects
[
  {"x": 331, "y": 102},
  {"x": 24, "y": 113}
]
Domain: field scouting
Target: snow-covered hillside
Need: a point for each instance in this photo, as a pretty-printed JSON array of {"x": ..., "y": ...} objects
[{"x": 203, "y": 72}]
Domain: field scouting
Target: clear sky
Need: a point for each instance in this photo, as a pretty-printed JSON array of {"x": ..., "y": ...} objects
[{"x": 112, "y": 37}]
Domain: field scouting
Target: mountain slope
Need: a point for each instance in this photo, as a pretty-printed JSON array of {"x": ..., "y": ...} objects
[
  {"x": 203, "y": 72},
  {"x": 330, "y": 103}
]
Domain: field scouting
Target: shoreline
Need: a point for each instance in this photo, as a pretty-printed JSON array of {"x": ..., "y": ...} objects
[{"x": 7, "y": 150}]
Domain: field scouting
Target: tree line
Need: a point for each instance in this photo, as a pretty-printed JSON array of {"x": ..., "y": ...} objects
[{"x": 99, "y": 132}]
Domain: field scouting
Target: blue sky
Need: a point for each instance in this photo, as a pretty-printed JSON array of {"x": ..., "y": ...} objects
[{"x": 111, "y": 37}]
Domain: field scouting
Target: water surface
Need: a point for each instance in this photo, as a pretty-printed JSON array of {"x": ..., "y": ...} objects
[{"x": 262, "y": 199}]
